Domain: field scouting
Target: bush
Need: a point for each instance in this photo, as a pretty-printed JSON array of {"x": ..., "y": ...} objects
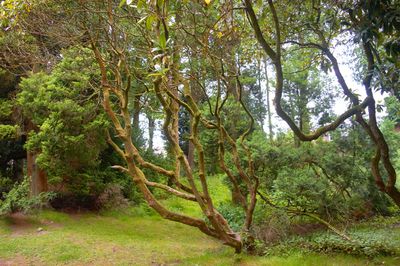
[
  {"x": 18, "y": 199},
  {"x": 6, "y": 184},
  {"x": 270, "y": 224},
  {"x": 233, "y": 214},
  {"x": 364, "y": 244},
  {"x": 112, "y": 197}
]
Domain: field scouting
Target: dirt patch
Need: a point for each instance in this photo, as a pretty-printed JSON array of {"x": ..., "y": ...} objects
[
  {"x": 16, "y": 261},
  {"x": 21, "y": 224}
]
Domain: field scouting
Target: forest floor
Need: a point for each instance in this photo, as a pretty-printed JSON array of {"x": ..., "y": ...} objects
[
  {"x": 133, "y": 237},
  {"x": 138, "y": 236}
]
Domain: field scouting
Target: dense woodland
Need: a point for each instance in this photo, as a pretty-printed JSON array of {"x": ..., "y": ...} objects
[{"x": 294, "y": 105}]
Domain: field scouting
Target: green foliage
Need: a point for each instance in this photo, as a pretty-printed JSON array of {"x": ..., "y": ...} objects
[
  {"x": 5, "y": 185},
  {"x": 64, "y": 104},
  {"x": 390, "y": 126},
  {"x": 364, "y": 244},
  {"x": 71, "y": 135},
  {"x": 5, "y": 108},
  {"x": 235, "y": 121},
  {"x": 321, "y": 177},
  {"x": 372, "y": 239},
  {"x": 8, "y": 131},
  {"x": 301, "y": 187},
  {"x": 309, "y": 94},
  {"x": 11, "y": 11},
  {"x": 378, "y": 24},
  {"x": 233, "y": 214},
  {"x": 18, "y": 199},
  {"x": 65, "y": 107},
  {"x": 393, "y": 109}
]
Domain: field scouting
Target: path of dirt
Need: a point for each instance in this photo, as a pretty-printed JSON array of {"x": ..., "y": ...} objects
[
  {"x": 18, "y": 261},
  {"x": 21, "y": 224}
]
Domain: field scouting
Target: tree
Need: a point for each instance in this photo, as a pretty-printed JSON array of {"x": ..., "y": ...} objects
[
  {"x": 191, "y": 65},
  {"x": 324, "y": 25},
  {"x": 11, "y": 143},
  {"x": 166, "y": 77},
  {"x": 71, "y": 127}
]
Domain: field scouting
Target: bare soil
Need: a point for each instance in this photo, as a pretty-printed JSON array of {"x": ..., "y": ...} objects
[
  {"x": 21, "y": 224},
  {"x": 16, "y": 261}
]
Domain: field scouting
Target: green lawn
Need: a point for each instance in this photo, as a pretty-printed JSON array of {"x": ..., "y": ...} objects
[
  {"x": 134, "y": 237},
  {"x": 138, "y": 236}
]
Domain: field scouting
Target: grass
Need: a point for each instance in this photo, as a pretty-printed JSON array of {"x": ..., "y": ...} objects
[
  {"x": 220, "y": 193},
  {"x": 135, "y": 237},
  {"x": 138, "y": 236},
  {"x": 4, "y": 228}
]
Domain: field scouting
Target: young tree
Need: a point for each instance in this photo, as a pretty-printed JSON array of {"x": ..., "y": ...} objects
[{"x": 64, "y": 106}]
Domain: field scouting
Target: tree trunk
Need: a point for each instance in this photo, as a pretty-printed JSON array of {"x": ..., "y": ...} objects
[
  {"x": 237, "y": 198},
  {"x": 174, "y": 106},
  {"x": 152, "y": 126},
  {"x": 38, "y": 178},
  {"x": 175, "y": 130},
  {"x": 229, "y": 50},
  {"x": 191, "y": 154},
  {"x": 136, "y": 113},
  {"x": 270, "y": 129},
  {"x": 196, "y": 95},
  {"x": 394, "y": 194}
]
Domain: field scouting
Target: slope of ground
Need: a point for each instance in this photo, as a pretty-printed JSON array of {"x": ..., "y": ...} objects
[
  {"x": 133, "y": 237},
  {"x": 138, "y": 236}
]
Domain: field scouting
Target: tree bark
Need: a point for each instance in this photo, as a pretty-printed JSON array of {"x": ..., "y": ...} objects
[
  {"x": 38, "y": 178},
  {"x": 394, "y": 194},
  {"x": 269, "y": 115},
  {"x": 136, "y": 113},
  {"x": 152, "y": 126}
]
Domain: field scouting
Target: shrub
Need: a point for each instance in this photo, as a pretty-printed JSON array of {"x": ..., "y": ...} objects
[
  {"x": 18, "y": 199},
  {"x": 6, "y": 185},
  {"x": 233, "y": 214},
  {"x": 365, "y": 244},
  {"x": 270, "y": 224},
  {"x": 112, "y": 197}
]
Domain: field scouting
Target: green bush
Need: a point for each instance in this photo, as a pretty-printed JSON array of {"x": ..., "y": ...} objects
[
  {"x": 234, "y": 215},
  {"x": 18, "y": 199},
  {"x": 6, "y": 185},
  {"x": 270, "y": 224},
  {"x": 362, "y": 244},
  {"x": 364, "y": 241},
  {"x": 8, "y": 131}
]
